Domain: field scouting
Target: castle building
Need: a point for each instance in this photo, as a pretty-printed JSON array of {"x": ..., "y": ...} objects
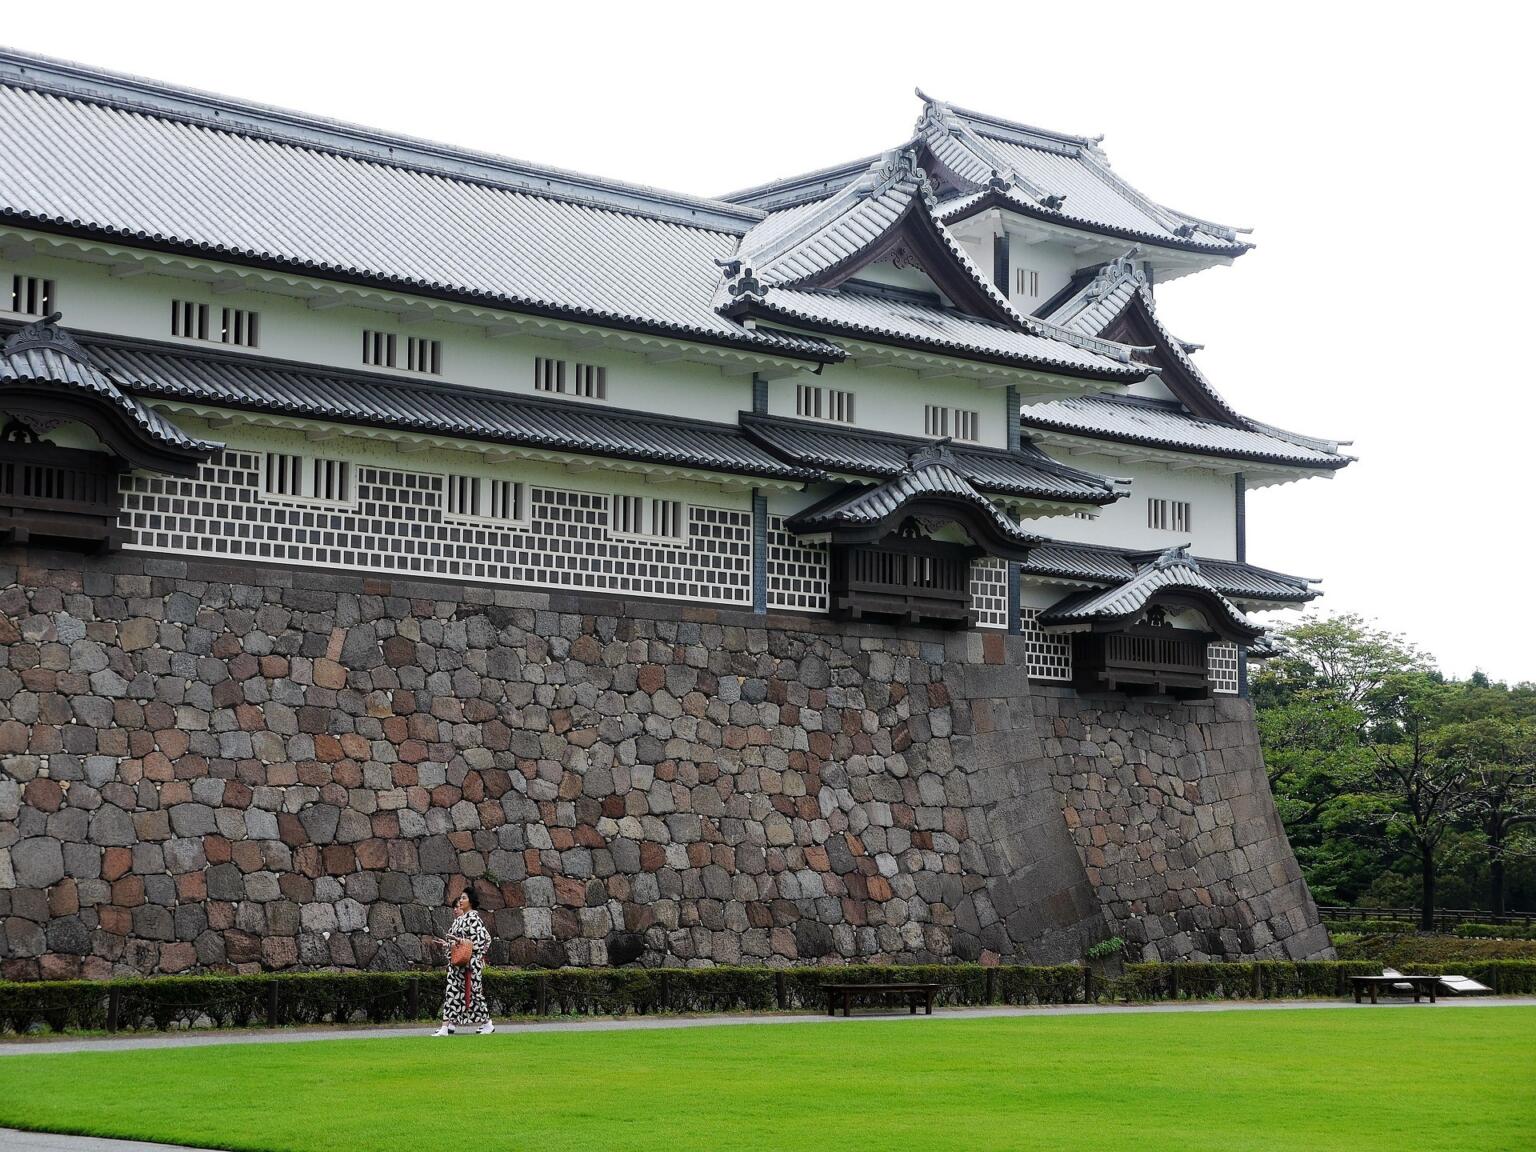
[{"x": 699, "y": 575}]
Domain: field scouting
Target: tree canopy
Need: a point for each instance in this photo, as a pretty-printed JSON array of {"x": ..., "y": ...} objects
[{"x": 1397, "y": 785}]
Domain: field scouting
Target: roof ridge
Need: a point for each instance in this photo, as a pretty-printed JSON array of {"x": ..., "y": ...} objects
[
  {"x": 1013, "y": 125},
  {"x": 72, "y": 81},
  {"x": 847, "y": 169}
]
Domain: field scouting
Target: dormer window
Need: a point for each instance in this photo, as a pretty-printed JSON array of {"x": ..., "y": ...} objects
[
  {"x": 817, "y": 403},
  {"x": 32, "y": 296}
]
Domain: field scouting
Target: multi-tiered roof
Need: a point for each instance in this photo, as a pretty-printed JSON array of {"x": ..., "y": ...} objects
[{"x": 766, "y": 278}]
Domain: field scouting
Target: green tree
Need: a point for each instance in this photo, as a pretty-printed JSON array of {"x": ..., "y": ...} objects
[
  {"x": 1500, "y": 798},
  {"x": 1422, "y": 792}
]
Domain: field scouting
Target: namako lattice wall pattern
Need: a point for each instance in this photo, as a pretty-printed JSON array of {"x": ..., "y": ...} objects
[
  {"x": 399, "y": 523},
  {"x": 1221, "y": 665}
]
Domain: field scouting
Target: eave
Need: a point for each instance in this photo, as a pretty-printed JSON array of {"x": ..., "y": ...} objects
[
  {"x": 1259, "y": 472},
  {"x": 411, "y": 443},
  {"x": 866, "y": 345}
]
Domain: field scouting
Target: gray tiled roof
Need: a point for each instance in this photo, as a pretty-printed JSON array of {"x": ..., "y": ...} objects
[
  {"x": 165, "y": 179},
  {"x": 880, "y": 319},
  {"x": 1025, "y": 472},
  {"x": 1092, "y": 307},
  {"x": 1056, "y": 177},
  {"x": 43, "y": 354},
  {"x": 1165, "y": 424},
  {"x": 1098, "y": 564},
  {"x": 1105, "y": 296},
  {"x": 1173, "y": 571},
  {"x": 930, "y": 474},
  {"x": 252, "y": 383}
]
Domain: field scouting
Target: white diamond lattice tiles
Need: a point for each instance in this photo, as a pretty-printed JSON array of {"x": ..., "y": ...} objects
[
  {"x": 1221, "y": 667},
  {"x": 399, "y": 525},
  {"x": 989, "y": 594},
  {"x": 1049, "y": 657},
  {"x": 797, "y": 573}
]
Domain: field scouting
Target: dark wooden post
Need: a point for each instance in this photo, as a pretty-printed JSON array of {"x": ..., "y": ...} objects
[
  {"x": 1087, "y": 984},
  {"x": 413, "y": 999},
  {"x": 666, "y": 991},
  {"x": 1258, "y": 982},
  {"x": 1173, "y": 981},
  {"x": 991, "y": 985},
  {"x": 272, "y": 1004},
  {"x": 114, "y": 1007},
  {"x": 543, "y": 993},
  {"x": 780, "y": 993}
]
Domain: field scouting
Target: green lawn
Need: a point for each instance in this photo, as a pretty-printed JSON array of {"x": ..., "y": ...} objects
[{"x": 1392, "y": 1079}]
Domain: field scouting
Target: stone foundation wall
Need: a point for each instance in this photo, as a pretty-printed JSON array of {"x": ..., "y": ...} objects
[{"x": 208, "y": 766}]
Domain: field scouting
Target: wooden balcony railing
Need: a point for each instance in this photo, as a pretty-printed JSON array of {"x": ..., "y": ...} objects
[
  {"x": 60, "y": 494},
  {"x": 914, "y": 579},
  {"x": 1163, "y": 660}
]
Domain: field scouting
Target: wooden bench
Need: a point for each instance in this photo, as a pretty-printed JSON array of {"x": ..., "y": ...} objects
[
  {"x": 1421, "y": 984},
  {"x": 914, "y": 994}
]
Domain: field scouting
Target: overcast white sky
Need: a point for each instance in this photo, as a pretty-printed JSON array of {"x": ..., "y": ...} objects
[{"x": 1375, "y": 148}]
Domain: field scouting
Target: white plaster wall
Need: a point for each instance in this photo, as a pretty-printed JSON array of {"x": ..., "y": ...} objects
[
  {"x": 94, "y": 301},
  {"x": 1151, "y": 387},
  {"x": 892, "y": 399},
  {"x": 1054, "y": 262},
  {"x": 913, "y": 279},
  {"x": 1123, "y": 524}
]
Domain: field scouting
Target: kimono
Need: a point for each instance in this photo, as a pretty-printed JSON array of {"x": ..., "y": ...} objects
[{"x": 464, "y": 1000}]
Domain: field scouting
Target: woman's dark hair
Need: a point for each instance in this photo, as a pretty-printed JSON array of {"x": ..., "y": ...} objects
[{"x": 469, "y": 894}]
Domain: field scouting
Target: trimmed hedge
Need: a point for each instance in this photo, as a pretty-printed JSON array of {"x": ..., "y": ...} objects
[
  {"x": 1467, "y": 930},
  {"x": 380, "y": 997}
]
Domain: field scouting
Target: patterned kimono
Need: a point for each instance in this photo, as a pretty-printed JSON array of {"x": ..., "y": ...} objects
[{"x": 464, "y": 1001}]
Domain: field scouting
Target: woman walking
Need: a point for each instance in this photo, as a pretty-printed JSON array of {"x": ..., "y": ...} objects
[{"x": 464, "y": 1001}]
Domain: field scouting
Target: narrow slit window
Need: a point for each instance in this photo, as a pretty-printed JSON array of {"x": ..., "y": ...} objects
[
  {"x": 284, "y": 475},
  {"x": 808, "y": 400},
  {"x": 967, "y": 424},
  {"x": 935, "y": 420},
  {"x": 238, "y": 326},
  {"x": 32, "y": 295},
  {"x": 1028, "y": 282},
  {"x": 1157, "y": 514},
  {"x": 548, "y": 374},
  {"x": 1181, "y": 516},
  {"x": 840, "y": 406},
  {"x": 378, "y": 348},
  {"x": 189, "y": 320},
  {"x": 332, "y": 480},
  {"x": 590, "y": 381},
  {"x": 423, "y": 355}
]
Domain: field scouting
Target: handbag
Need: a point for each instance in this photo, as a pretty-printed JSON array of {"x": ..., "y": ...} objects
[{"x": 462, "y": 952}]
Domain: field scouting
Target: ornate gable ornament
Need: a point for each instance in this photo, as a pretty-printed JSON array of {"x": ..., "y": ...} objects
[
  {"x": 928, "y": 455},
  {"x": 741, "y": 280},
  {"x": 1117, "y": 270},
  {"x": 47, "y": 335}
]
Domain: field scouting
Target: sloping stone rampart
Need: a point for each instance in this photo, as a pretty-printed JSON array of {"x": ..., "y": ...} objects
[{"x": 208, "y": 766}]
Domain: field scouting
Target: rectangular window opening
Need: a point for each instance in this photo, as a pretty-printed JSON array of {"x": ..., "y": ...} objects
[
  {"x": 32, "y": 295},
  {"x": 189, "y": 320}
]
